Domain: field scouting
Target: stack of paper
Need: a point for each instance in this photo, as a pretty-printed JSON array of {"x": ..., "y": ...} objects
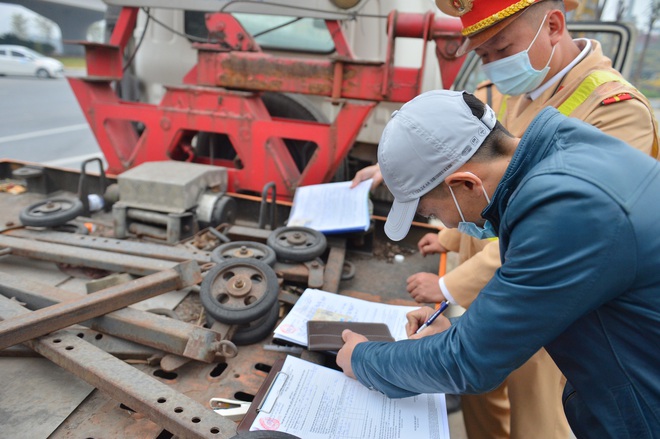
[
  {"x": 314, "y": 402},
  {"x": 322, "y": 305},
  {"x": 331, "y": 207}
]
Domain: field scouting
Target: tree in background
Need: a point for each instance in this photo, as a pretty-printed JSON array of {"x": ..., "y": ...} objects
[
  {"x": 45, "y": 28},
  {"x": 19, "y": 26}
]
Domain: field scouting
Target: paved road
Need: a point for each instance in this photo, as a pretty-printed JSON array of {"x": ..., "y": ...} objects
[{"x": 40, "y": 121}]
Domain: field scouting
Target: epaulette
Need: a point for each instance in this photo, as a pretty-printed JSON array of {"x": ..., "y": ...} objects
[{"x": 617, "y": 98}]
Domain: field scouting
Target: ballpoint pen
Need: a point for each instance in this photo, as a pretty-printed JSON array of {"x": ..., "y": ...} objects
[{"x": 434, "y": 316}]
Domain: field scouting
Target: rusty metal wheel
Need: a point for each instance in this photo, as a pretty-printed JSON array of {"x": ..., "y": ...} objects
[
  {"x": 50, "y": 213},
  {"x": 243, "y": 250},
  {"x": 258, "y": 330},
  {"x": 297, "y": 244},
  {"x": 239, "y": 291}
]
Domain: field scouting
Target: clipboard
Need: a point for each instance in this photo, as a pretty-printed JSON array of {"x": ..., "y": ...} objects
[{"x": 266, "y": 395}]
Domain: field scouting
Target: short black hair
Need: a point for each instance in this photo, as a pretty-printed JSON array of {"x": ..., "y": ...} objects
[
  {"x": 539, "y": 9},
  {"x": 492, "y": 146}
]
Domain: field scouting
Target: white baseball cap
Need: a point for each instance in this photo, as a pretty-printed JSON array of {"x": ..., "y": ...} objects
[{"x": 425, "y": 141}]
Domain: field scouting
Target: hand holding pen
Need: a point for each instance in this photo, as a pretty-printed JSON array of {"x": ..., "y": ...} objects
[{"x": 434, "y": 316}]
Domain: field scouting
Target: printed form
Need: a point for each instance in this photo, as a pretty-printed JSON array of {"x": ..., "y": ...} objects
[
  {"x": 315, "y": 402},
  {"x": 332, "y": 207},
  {"x": 321, "y": 305}
]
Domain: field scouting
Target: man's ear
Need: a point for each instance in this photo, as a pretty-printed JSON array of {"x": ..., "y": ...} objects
[
  {"x": 557, "y": 25},
  {"x": 463, "y": 179}
]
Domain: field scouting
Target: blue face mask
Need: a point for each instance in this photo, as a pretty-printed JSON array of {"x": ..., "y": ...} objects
[
  {"x": 485, "y": 232},
  {"x": 515, "y": 75}
]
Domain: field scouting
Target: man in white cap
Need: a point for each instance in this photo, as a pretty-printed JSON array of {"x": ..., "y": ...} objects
[
  {"x": 528, "y": 53},
  {"x": 579, "y": 249}
]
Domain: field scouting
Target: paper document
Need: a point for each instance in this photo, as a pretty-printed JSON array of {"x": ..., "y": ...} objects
[
  {"x": 331, "y": 207},
  {"x": 314, "y": 402},
  {"x": 322, "y": 305}
]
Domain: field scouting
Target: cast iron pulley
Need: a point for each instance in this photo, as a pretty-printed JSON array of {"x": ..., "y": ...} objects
[
  {"x": 297, "y": 244},
  {"x": 257, "y": 330},
  {"x": 239, "y": 291},
  {"x": 243, "y": 250},
  {"x": 50, "y": 213}
]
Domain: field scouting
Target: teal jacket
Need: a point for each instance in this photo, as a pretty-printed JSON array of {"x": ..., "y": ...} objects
[{"x": 578, "y": 215}]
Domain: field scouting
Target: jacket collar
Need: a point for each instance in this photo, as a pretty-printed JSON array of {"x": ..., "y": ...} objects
[{"x": 533, "y": 147}]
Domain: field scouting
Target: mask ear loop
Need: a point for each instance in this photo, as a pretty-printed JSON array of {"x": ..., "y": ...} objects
[
  {"x": 538, "y": 32},
  {"x": 482, "y": 188},
  {"x": 451, "y": 191}
]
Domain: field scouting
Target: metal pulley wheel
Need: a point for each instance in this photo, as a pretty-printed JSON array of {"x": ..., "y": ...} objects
[
  {"x": 257, "y": 330},
  {"x": 50, "y": 213},
  {"x": 244, "y": 250},
  {"x": 297, "y": 244},
  {"x": 239, "y": 291}
]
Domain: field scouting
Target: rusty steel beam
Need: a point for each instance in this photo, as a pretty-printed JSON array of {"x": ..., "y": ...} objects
[
  {"x": 335, "y": 265},
  {"x": 25, "y": 327},
  {"x": 85, "y": 257},
  {"x": 174, "y": 411},
  {"x": 163, "y": 333},
  {"x": 136, "y": 248},
  {"x": 122, "y": 349}
]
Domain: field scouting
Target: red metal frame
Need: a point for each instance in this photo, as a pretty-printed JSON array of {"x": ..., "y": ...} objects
[{"x": 205, "y": 103}]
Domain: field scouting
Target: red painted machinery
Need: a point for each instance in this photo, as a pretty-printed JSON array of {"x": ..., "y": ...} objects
[{"x": 222, "y": 97}]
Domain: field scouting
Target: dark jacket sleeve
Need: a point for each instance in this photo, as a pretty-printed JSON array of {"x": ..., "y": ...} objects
[{"x": 565, "y": 254}]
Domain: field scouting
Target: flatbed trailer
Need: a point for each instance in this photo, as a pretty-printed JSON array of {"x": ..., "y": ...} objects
[{"x": 99, "y": 379}]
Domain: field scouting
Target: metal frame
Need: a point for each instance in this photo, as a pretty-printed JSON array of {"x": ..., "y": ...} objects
[{"x": 234, "y": 60}]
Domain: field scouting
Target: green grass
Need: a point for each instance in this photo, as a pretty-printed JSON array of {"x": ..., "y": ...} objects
[{"x": 73, "y": 62}]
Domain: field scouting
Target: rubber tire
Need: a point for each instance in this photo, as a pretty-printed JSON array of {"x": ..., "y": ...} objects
[
  {"x": 268, "y": 254},
  {"x": 251, "y": 312},
  {"x": 258, "y": 330},
  {"x": 53, "y": 219},
  {"x": 287, "y": 252},
  {"x": 263, "y": 434},
  {"x": 43, "y": 74}
]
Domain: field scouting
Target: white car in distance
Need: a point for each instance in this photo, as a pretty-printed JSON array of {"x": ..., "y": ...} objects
[{"x": 19, "y": 60}]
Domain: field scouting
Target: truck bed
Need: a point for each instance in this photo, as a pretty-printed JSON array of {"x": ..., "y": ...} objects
[{"x": 41, "y": 399}]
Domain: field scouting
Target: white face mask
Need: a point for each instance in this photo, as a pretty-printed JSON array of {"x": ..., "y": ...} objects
[
  {"x": 469, "y": 228},
  {"x": 515, "y": 75}
]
